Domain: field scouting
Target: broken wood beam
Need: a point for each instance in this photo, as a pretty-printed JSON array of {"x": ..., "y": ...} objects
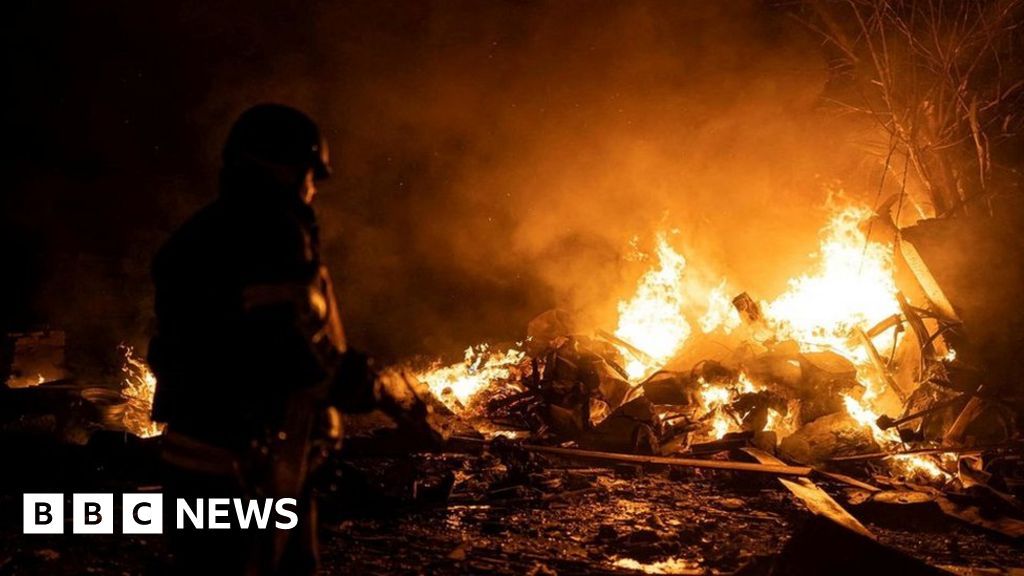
[
  {"x": 917, "y": 325},
  {"x": 576, "y": 453},
  {"x": 669, "y": 461},
  {"x": 957, "y": 432}
]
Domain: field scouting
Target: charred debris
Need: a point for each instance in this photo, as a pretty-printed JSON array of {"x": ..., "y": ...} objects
[
  {"x": 773, "y": 411},
  {"x": 911, "y": 421}
]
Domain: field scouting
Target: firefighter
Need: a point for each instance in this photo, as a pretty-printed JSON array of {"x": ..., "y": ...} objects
[{"x": 249, "y": 353}]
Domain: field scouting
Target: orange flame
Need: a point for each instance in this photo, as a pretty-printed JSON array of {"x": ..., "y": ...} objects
[
  {"x": 907, "y": 464},
  {"x": 138, "y": 387},
  {"x": 720, "y": 314},
  {"x": 715, "y": 397},
  {"x": 852, "y": 287},
  {"x": 652, "y": 319},
  {"x": 457, "y": 385}
]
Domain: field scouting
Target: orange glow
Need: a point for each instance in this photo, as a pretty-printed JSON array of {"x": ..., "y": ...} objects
[
  {"x": 456, "y": 385},
  {"x": 715, "y": 397},
  {"x": 907, "y": 464},
  {"x": 652, "y": 319},
  {"x": 721, "y": 314},
  {"x": 138, "y": 387},
  {"x": 782, "y": 424},
  {"x": 851, "y": 287}
]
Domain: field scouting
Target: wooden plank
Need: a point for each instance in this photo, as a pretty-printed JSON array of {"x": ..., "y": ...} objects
[
  {"x": 778, "y": 470},
  {"x": 576, "y": 453}
]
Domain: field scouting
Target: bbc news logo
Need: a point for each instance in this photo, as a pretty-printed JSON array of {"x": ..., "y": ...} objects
[{"x": 143, "y": 513}]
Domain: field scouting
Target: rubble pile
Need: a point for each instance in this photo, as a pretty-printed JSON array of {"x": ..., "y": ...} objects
[
  {"x": 868, "y": 373},
  {"x": 880, "y": 394}
]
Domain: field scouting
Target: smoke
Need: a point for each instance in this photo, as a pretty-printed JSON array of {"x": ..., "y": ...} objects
[
  {"x": 503, "y": 155},
  {"x": 494, "y": 159}
]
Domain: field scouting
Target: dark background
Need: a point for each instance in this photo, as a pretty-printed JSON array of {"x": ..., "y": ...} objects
[{"x": 492, "y": 159}]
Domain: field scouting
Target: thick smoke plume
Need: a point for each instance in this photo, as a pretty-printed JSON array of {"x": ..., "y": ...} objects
[{"x": 493, "y": 159}]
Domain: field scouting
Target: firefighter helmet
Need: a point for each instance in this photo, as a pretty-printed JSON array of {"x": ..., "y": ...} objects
[{"x": 277, "y": 134}]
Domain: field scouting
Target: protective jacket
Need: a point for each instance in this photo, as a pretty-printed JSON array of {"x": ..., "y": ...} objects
[{"x": 247, "y": 321}]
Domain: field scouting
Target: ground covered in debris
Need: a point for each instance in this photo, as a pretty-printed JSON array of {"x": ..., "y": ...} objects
[
  {"x": 509, "y": 513},
  {"x": 574, "y": 520}
]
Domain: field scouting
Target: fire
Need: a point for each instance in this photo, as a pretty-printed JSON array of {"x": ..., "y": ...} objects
[
  {"x": 456, "y": 385},
  {"x": 913, "y": 465},
  {"x": 668, "y": 566},
  {"x": 746, "y": 386},
  {"x": 950, "y": 355},
  {"x": 853, "y": 287},
  {"x": 907, "y": 464},
  {"x": 782, "y": 424},
  {"x": 716, "y": 397},
  {"x": 712, "y": 395},
  {"x": 652, "y": 319},
  {"x": 721, "y": 314},
  {"x": 867, "y": 418},
  {"x": 138, "y": 387},
  {"x": 721, "y": 424}
]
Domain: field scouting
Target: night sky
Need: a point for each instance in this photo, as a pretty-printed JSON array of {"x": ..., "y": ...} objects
[{"x": 492, "y": 159}]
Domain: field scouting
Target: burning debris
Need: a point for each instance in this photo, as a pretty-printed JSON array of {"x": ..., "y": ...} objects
[
  {"x": 480, "y": 372},
  {"x": 697, "y": 422},
  {"x": 30, "y": 359},
  {"x": 139, "y": 385},
  {"x": 850, "y": 378},
  {"x": 652, "y": 327},
  {"x": 76, "y": 407},
  {"x": 843, "y": 372}
]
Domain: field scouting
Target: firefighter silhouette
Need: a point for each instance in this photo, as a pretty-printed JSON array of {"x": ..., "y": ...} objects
[{"x": 250, "y": 355}]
